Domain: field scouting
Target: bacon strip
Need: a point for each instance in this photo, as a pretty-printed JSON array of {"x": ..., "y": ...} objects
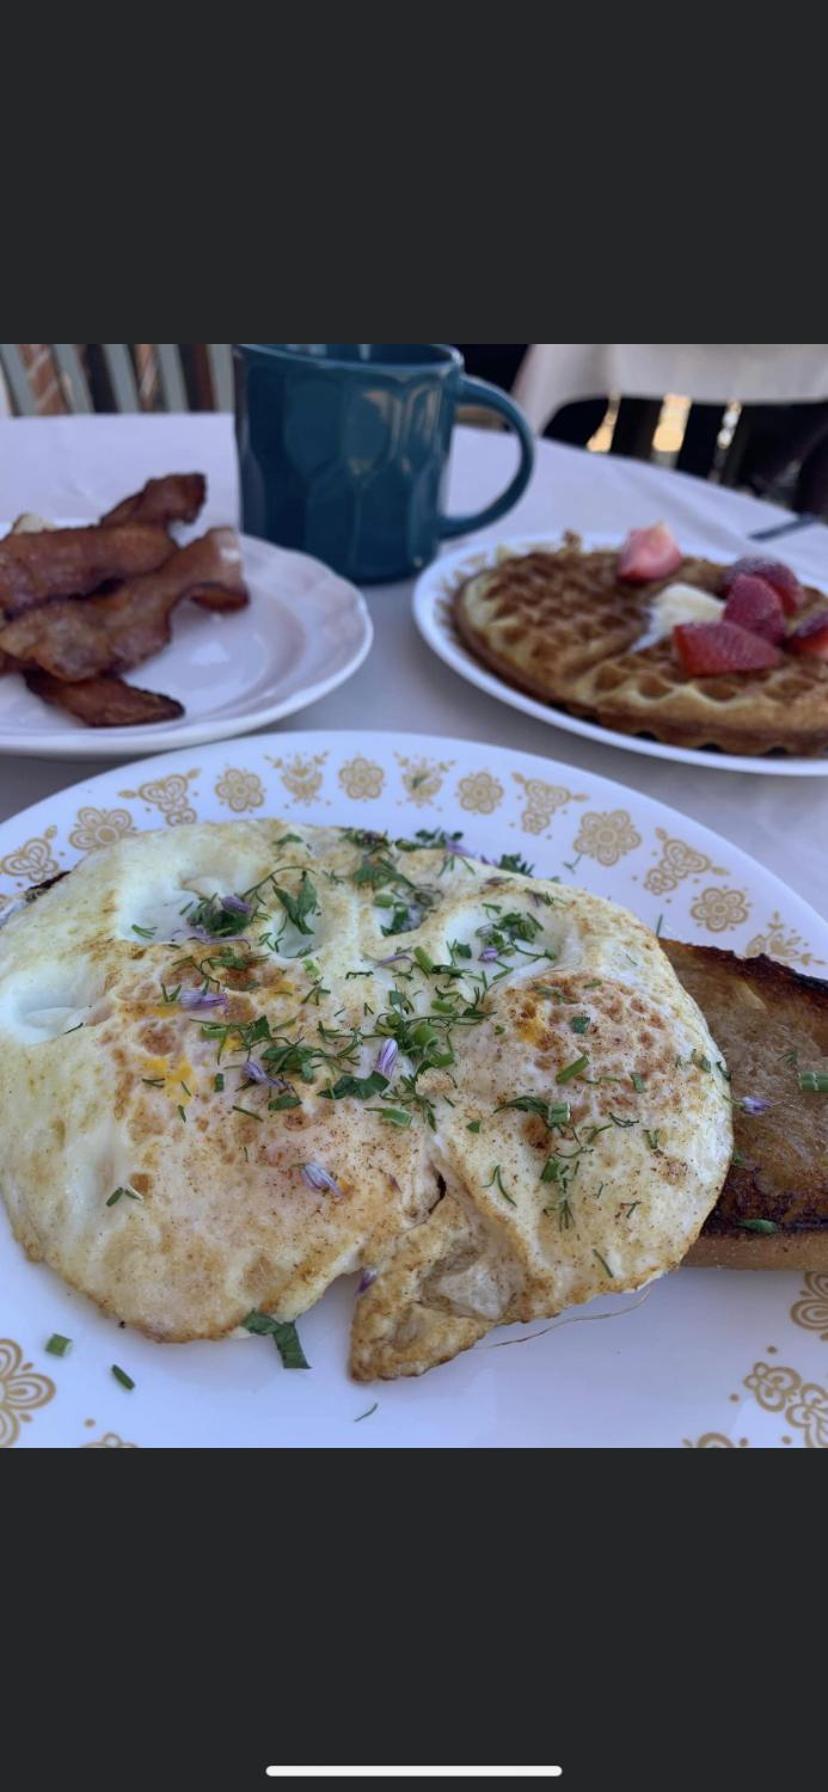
[
  {"x": 75, "y": 641},
  {"x": 61, "y": 563},
  {"x": 105, "y": 702},
  {"x": 177, "y": 498}
]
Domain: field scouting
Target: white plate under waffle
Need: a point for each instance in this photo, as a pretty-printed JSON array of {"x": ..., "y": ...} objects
[{"x": 432, "y": 613}]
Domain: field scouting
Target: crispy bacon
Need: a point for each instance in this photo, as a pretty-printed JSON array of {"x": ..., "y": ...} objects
[
  {"x": 59, "y": 563},
  {"x": 177, "y": 498},
  {"x": 111, "y": 633},
  {"x": 105, "y": 702}
]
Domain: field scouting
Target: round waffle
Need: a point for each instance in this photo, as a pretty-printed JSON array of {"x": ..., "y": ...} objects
[{"x": 561, "y": 625}]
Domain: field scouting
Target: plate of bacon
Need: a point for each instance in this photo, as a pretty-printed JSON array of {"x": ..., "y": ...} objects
[{"x": 229, "y": 632}]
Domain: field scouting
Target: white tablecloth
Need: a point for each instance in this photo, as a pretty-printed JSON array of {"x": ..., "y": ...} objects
[
  {"x": 555, "y": 373},
  {"x": 79, "y": 466}
]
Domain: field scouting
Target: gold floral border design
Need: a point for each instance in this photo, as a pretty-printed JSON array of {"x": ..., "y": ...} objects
[
  {"x": 109, "y": 1441},
  {"x": 301, "y": 775},
  {"x": 22, "y": 1391},
  {"x": 542, "y": 802},
  {"x": 678, "y": 861},
  {"x": 719, "y": 910},
  {"x": 804, "y": 1403},
  {"x": 422, "y": 778},
  {"x": 780, "y": 942},
  {"x": 33, "y": 862},
  {"x": 811, "y": 1309},
  {"x": 240, "y": 790},
  {"x": 606, "y": 837},
  {"x": 171, "y": 795}
]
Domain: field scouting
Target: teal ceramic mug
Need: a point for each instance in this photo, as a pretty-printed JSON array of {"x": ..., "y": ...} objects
[{"x": 343, "y": 450}]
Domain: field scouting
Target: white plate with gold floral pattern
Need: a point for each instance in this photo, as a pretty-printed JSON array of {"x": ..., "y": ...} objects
[
  {"x": 305, "y": 631},
  {"x": 433, "y": 596},
  {"x": 701, "y": 1358}
]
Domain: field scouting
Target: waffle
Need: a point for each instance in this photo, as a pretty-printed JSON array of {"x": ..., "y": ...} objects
[{"x": 561, "y": 625}]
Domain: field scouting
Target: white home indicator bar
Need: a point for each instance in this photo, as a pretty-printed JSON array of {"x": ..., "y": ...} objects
[{"x": 311, "y": 1773}]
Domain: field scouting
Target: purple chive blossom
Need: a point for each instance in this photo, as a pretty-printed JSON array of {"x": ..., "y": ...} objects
[
  {"x": 321, "y": 1180},
  {"x": 754, "y": 1104},
  {"x": 257, "y": 1074},
  {"x": 396, "y": 958},
  {"x": 489, "y": 954},
  {"x": 368, "y": 1276},
  {"x": 202, "y": 998},
  {"x": 386, "y": 1057},
  {"x": 235, "y": 905}
]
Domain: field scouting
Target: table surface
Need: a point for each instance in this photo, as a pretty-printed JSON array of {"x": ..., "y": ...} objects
[{"x": 76, "y": 467}]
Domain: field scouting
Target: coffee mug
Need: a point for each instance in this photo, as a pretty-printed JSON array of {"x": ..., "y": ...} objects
[{"x": 343, "y": 450}]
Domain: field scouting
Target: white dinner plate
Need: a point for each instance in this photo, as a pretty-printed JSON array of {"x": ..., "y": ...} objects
[
  {"x": 701, "y": 1358},
  {"x": 305, "y": 631},
  {"x": 432, "y": 611}
]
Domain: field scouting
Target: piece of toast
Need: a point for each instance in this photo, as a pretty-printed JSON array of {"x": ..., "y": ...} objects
[{"x": 772, "y": 1025}]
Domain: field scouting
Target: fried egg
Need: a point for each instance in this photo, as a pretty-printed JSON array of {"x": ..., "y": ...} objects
[{"x": 240, "y": 1060}]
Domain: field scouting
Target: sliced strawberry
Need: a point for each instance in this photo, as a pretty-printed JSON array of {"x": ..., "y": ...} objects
[
  {"x": 648, "y": 554},
  {"x": 811, "y": 636},
  {"x": 755, "y": 606},
  {"x": 779, "y": 577},
  {"x": 707, "y": 648}
]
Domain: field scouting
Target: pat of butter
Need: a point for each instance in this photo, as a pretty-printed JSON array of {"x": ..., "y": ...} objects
[{"x": 678, "y": 603}]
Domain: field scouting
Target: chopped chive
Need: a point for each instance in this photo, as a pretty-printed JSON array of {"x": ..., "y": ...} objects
[
  {"x": 186, "y": 1090},
  {"x": 154, "y": 1082},
  {"x": 218, "y": 1082},
  {"x": 603, "y": 1262},
  {"x": 181, "y": 1113},
  {"x": 700, "y": 1061},
  {"x": 757, "y": 1225},
  {"x": 283, "y": 1102},
  {"x": 120, "y": 1375},
  {"x": 144, "y": 933},
  {"x": 631, "y": 1207},
  {"x": 394, "y": 1116},
  {"x": 573, "y": 1069},
  {"x": 129, "y": 1192},
  {"x": 814, "y": 1082},
  {"x": 58, "y": 1345},
  {"x": 425, "y": 963},
  {"x": 473, "y": 1126},
  {"x": 284, "y": 1335},
  {"x": 658, "y": 926},
  {"x": 599, "y": 1191},
  {"x": 170, "y": 995},
  {"x": 552, "y": 1170},
  {"x": 637, "y": 1082},
  {"x": 579, "y": 1023},
  {"x": 248, "y": 1111},
  {"x": 652, "y": 1140},
  {"x": 496, "y": 1181}
]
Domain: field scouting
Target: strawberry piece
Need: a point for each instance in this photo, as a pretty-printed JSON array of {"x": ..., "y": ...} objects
[
  {"x": 755, "y": 606},
  {"x": 648, "y": 554},
  {"x": 708, "y": 648},
  {"x": 784, "y": 582},
  {"x": 811, "y": 636}
]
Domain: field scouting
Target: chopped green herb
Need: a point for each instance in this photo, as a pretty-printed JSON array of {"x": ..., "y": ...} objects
[
  {"x": 374, "y": 1408},
  {"x": 237, "y": 1110},
  {"x": 284, "y": 1101},
  {"x": 553, "y": 1113},
  {"x": 638, "y": 1082},
  {"x": 361, "y": 1087},
  {"x": 739, "y": 1159},
  {"x": 181, "y": 1113},
  {"x": 129, "y": 1192},
  {"x": 757, "y": 1225},
  {"x": 425, "y": 963},
  {"x": 615, "y": 1120},
  {"x": 170, "y": 995},
  {"x": 658, "y": 926},
  {"x": 144, "y": 933},
  {"x": 512, "y": 861},
  {"x": 496, "y": 1181},
  {"x": 473, "y": 1126},
  {"x": 604, "y": 1264},
  {"x": 814, "y": 1082},
  {"x": 653, "y": 1140},
  {"x": 284, "y": 1335},
  {"x": 700, "y": 1061},
  {"x": 120, "y": 1375},
  {"x": 553, "y": 1170},
  {"x": 394, "y": 1116},
  {"x": 218, "y": 1082},
  {"x": 571, "y": 1070},
  {"x": 299, "y": 907},
  {"x": 630, "y": 1207},
  {"x": 154, "y": 1082},
  {"x": 58, "y": 1345},
  {"x": 579, "y": 1023}
]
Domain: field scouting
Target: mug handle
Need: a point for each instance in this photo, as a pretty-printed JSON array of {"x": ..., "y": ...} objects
[{"x": 480, "y": 392}]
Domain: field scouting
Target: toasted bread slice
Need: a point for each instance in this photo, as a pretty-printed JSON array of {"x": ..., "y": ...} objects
[{"x": 772, "y": 1025}]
